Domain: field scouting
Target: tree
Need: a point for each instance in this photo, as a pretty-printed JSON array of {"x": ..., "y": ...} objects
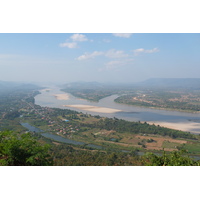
[
  {"x": 174, "y": 158},
  {"x": 22, "y": 150}
]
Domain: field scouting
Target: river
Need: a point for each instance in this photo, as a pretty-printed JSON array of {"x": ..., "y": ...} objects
[
  {"x": 57, "y": 137},
  {"x": 171, "y": 119}
]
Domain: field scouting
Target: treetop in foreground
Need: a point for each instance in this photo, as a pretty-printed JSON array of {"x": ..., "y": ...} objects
[{"x": 22, "y": 150}]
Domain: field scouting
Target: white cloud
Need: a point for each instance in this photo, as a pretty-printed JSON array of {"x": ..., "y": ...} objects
[
  {"x": 70, "y": 45},
  {"x": 74, "y": 39},
  {"x": 112, "y": 53},
  {"x": 115, "y": 54},
  {"x": 79, "y": 37},
  {"x": 141, "y": 50},
  {"x": 88, "y": 56},
  {"x": 124, "y": 35}
]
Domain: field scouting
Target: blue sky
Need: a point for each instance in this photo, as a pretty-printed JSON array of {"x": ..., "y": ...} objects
[{"x": 122, "y": 57}]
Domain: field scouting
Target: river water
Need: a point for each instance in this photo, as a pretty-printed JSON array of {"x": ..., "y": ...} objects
[
  {"x": 128, "y": 112},
  {"x": 57, "y": 137}
]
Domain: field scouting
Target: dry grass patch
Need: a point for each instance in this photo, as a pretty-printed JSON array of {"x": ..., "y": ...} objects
[{"x": 158, "y": 142}]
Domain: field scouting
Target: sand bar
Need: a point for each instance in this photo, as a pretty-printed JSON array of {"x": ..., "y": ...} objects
[
  {"x": 188, "y": 126},
  {"x": 94, "y": 108},
  {"x": 61, "y": 96}
]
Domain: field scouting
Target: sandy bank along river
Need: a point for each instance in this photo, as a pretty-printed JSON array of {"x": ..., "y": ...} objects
[{"x": 94, "y": 108}]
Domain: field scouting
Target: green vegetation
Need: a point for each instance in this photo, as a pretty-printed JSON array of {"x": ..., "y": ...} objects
[
  {"x": 94, "y": 91},
  {"x": 89, "y": 94},
  {"x": 22, "y": 150},
  {"x": 191, "y": 147},
  {"x": 175, "y": 158},
  {"x": 65, "y": 155},
  {"x": 182, "y": 100},
  {"x": 167, "y": 144}
]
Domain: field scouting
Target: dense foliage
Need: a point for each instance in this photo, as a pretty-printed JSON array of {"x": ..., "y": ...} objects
[
  {"x": 120, "y": 126},
  {"x": 89, "y": 94},
  {"x": 65, "y": 155},
  {"x": 22, "y": 150},
  {"x": 175, "y": 158}
]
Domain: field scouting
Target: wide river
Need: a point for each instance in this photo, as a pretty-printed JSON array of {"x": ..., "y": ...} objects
[{"x": 172, "y": 119}]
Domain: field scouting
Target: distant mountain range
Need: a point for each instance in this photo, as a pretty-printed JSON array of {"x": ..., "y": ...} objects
[
  {"x": 6, "y": 86},
  {"x": 173, "y": 83},
  {"x": 182, "y": 83},
  {"x": 83, "y": 85},
  {"x": 193, "y": 83}
]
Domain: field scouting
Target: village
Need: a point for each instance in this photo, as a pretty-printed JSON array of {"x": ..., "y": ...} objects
[{"x": 51, "y": 120}]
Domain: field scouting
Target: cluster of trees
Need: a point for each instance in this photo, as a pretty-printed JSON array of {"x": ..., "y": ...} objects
[
  {"x": 121, "y": 126},
  {"x": 12, "y": 115},
  {"x": 64, "y": 112},
  {"x": 175, "y": 158},
  {"x": 22, "y": 150},
  {"x": 67, "y": 156},
  {"x": 89, "y": 94}
]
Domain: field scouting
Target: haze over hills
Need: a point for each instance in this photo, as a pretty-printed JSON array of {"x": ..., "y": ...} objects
[
  {"x": 84, "y": 85},
  {"x": 6, "y": 86},
  {"x": 179, "y": 83},
  {"x": 187, "y": 83}
]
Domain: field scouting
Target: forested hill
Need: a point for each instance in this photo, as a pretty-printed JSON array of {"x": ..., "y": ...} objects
[
  {"x": 6, "y": 86},
  {"x": 172, "y": 83},
  {"x": 187, "y": 83}
]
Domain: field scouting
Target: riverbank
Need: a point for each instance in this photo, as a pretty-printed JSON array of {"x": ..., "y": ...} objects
[
  {"x": 93, "y": 108},
  {"x": 187, "y": 127},
  {"x": 159, "y": 108}
]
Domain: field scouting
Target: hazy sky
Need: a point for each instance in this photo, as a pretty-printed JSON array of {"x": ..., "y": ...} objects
[{"x": 99, "y": 57}]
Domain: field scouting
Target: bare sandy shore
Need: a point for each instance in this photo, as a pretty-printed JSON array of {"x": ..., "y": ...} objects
[
  {"x": 94, "y": 108},
  {"x": 61, "y": 96},
  {"x": 188, "y": 126}
]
